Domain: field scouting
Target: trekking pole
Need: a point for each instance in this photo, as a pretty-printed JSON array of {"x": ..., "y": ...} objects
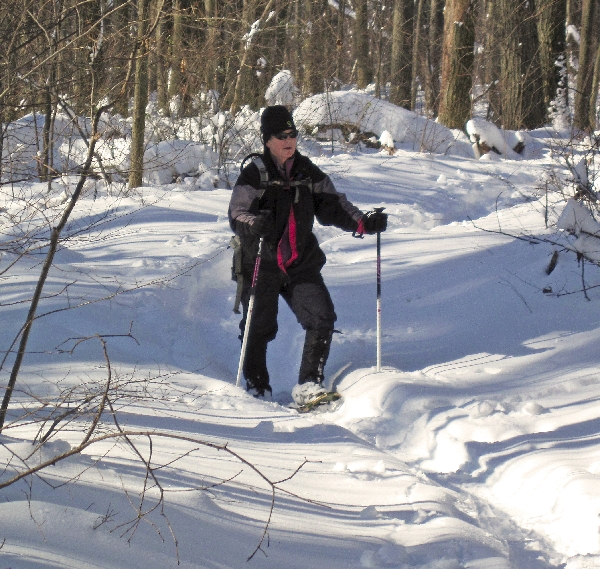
[
  {"x": 249, "y": 313},
  {"x": 378, "y": 210}
]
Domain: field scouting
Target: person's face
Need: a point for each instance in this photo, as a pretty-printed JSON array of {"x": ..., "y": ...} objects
[{"x": 281, "y": 150}]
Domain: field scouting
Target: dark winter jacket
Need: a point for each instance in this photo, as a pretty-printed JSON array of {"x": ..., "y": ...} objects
[{"x": 291, "y": 247}]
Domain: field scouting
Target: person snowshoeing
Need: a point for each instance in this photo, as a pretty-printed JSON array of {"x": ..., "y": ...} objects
[{"x": 278, "y": 198}]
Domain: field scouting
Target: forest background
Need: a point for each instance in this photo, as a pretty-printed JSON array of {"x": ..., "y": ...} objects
[{"x": 522, "y": 64}]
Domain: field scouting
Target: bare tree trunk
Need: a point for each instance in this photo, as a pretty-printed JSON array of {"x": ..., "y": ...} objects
[
  {"x": 120, "y": 24},
  {"x": 246, "y": 52},
  {"x": 433, "y": 56},
  {"x": 140, "y": 100},
  {"x": 48, "y": 104},
  {"x": 378, "y": 42},
  {"x": 551, "y": 19},
  {"x": 340, "y": 39},
  {"x": 46, "y": 167},
  {"x": 581, "y": 118},
  {"x": 595, "y": 87},
  {"x": 245, "y": 56},
  {"x": 158, "y": 60},
  {"x": 491, "y": 60},
  {"x": 292, "y": 49},
  {"x": 457, "y": 63},
  {"x": 212, "y": 49},
  {"x": 534, "y": 110},
  {"x": 571, "y": 51},
  {"x": 401, "y": 57},
  {"x": 417, "y": 68},
  {"x": 511, "y": 93},
  {"x": 364, "y": 70},
  {"x": 176, "y": 52},
  {"x": 518, "y": 100},
  {"x": 311, "y": 83}
]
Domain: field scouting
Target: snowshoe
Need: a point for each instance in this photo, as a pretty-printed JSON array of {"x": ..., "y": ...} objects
[{"x": 319, "y": 400}]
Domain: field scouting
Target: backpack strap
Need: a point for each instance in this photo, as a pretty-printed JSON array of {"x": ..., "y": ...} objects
[
  {"x": 297, "y": 183},
  {"x": 265, "y": 182},
  {"x": 264, "y": 174},
  {"x": 258, "y": 161}
]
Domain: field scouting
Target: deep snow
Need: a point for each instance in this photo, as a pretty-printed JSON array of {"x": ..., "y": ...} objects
[{"x": 477, "y": 446}]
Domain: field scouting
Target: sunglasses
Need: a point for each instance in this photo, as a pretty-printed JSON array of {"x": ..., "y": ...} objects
[{"x": 286, "y": 135}]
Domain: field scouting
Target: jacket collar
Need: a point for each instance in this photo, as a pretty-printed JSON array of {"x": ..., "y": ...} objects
[{"x": 274, "y": 169}]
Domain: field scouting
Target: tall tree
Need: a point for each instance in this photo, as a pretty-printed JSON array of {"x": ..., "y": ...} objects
[
  {"x": 175, "y": 70},
  {"x": 593, "y": 108},
  {"x": 140, "y": 98},
  {"x": 49, "y": 86},
  {"x": 254, "y": 27},
  {"x": 433, "y": 56},
  {"x": 583, "y": 93},
  {"x": 518, "y": 101},
  {"x": 401, "y": 56},
  {"x": 119, "y": 22},
  {"x": 293, "y": 27},
  {"x": 379, "y": 41},
  {"x": 490, "y": 59},
  {"x": 311, "y": 82},
  {"x": 341, "y": 38},
  {"x": 457, "y": 62},
  {"x": 417, "y": 66},
  {"x": 571, "y": 46},
  {"x": 212, "y": 62},
  {"x": 364, "y": 69},
  {"x": 158, "y": 57},
  {"x": 551, "y": 19}
]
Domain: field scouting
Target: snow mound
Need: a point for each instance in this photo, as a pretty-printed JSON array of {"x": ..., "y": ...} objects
[
  {"x": 372, "y": 115},
  {"x": 170, "y": 159}
]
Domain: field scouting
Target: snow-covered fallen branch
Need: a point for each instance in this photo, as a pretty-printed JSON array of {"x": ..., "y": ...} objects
[{"x": 578, "y": 220}]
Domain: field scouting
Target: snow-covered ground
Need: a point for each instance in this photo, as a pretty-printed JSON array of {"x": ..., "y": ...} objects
[{"x": 476, "y": 446}]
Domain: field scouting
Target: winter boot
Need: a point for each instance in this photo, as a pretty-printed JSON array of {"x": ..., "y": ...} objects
[
  {"x": 255, "y": 370},
  {"x": 314, "y": 355},
  {"x": 265, "y": 393},
  {"x": 304, "y": 393}
]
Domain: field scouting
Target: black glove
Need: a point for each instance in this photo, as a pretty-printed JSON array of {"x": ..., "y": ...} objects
[
  {"x": 374, "y": 222},
  {"x": 263, "y": 225}
]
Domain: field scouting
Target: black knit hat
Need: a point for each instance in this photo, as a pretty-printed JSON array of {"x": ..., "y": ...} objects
[{"x": 274, "y": 120}]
